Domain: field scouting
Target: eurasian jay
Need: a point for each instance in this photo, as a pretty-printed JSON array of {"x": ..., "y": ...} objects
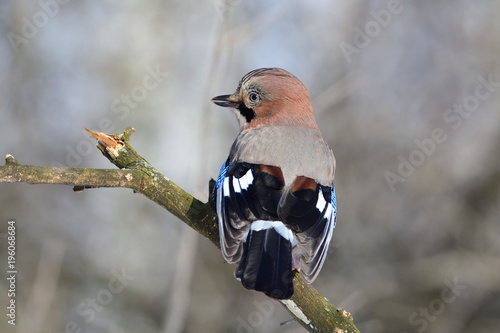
[{"x": 274, "y": 195}]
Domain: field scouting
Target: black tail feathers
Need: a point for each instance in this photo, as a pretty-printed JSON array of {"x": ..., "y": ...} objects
[{"x": 266, "y": 263}]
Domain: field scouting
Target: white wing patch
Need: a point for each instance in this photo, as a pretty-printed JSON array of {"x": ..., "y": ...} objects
[
  {"x": 320, "y": 205},
  {"x": 277, "y": 225},
  {"x": 225, "y": 187},
  {"x": 246, "y": 180},
  {"x": 236, "y": 186}
]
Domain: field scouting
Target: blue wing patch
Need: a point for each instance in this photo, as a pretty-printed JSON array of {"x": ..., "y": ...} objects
[
  {"x": 334, "y": 205},
  {"x": 220, "y": 178}
]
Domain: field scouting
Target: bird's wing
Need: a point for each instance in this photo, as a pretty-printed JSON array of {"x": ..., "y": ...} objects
[
  {"x": 310, "y": 210},
  {"x": 244, "y": 193}
]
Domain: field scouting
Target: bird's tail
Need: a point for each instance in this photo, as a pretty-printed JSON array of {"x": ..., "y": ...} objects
[{"x": 266, "y": 263}]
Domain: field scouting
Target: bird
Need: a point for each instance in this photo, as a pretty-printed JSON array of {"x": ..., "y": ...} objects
[{"x": 274, "y": 195}]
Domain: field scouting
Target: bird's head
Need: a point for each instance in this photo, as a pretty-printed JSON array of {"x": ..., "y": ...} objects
[{"x": 269, "y": 96}]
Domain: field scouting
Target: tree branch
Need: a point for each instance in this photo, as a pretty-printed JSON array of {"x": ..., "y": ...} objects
[{"x": 309, "y": 308}]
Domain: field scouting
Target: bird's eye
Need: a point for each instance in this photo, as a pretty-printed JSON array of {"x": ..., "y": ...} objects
[{"x": 253, "y": 97}]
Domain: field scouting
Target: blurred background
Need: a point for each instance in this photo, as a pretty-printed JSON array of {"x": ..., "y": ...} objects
[{"x": 407, "y": 93}]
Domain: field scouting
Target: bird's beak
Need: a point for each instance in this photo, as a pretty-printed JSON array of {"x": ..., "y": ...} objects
[{"x": 232, "y": 101}]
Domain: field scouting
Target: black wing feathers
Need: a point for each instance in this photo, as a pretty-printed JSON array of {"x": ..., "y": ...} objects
[
  {"x": 261, "y": 222},
  {"x": 266, "y": 264},
  {"x": 297, "y": 207},
  {"x": 261, "y": 197}
]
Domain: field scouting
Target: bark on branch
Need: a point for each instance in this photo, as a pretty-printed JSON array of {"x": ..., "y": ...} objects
[{"x": 309, "y": 308}]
